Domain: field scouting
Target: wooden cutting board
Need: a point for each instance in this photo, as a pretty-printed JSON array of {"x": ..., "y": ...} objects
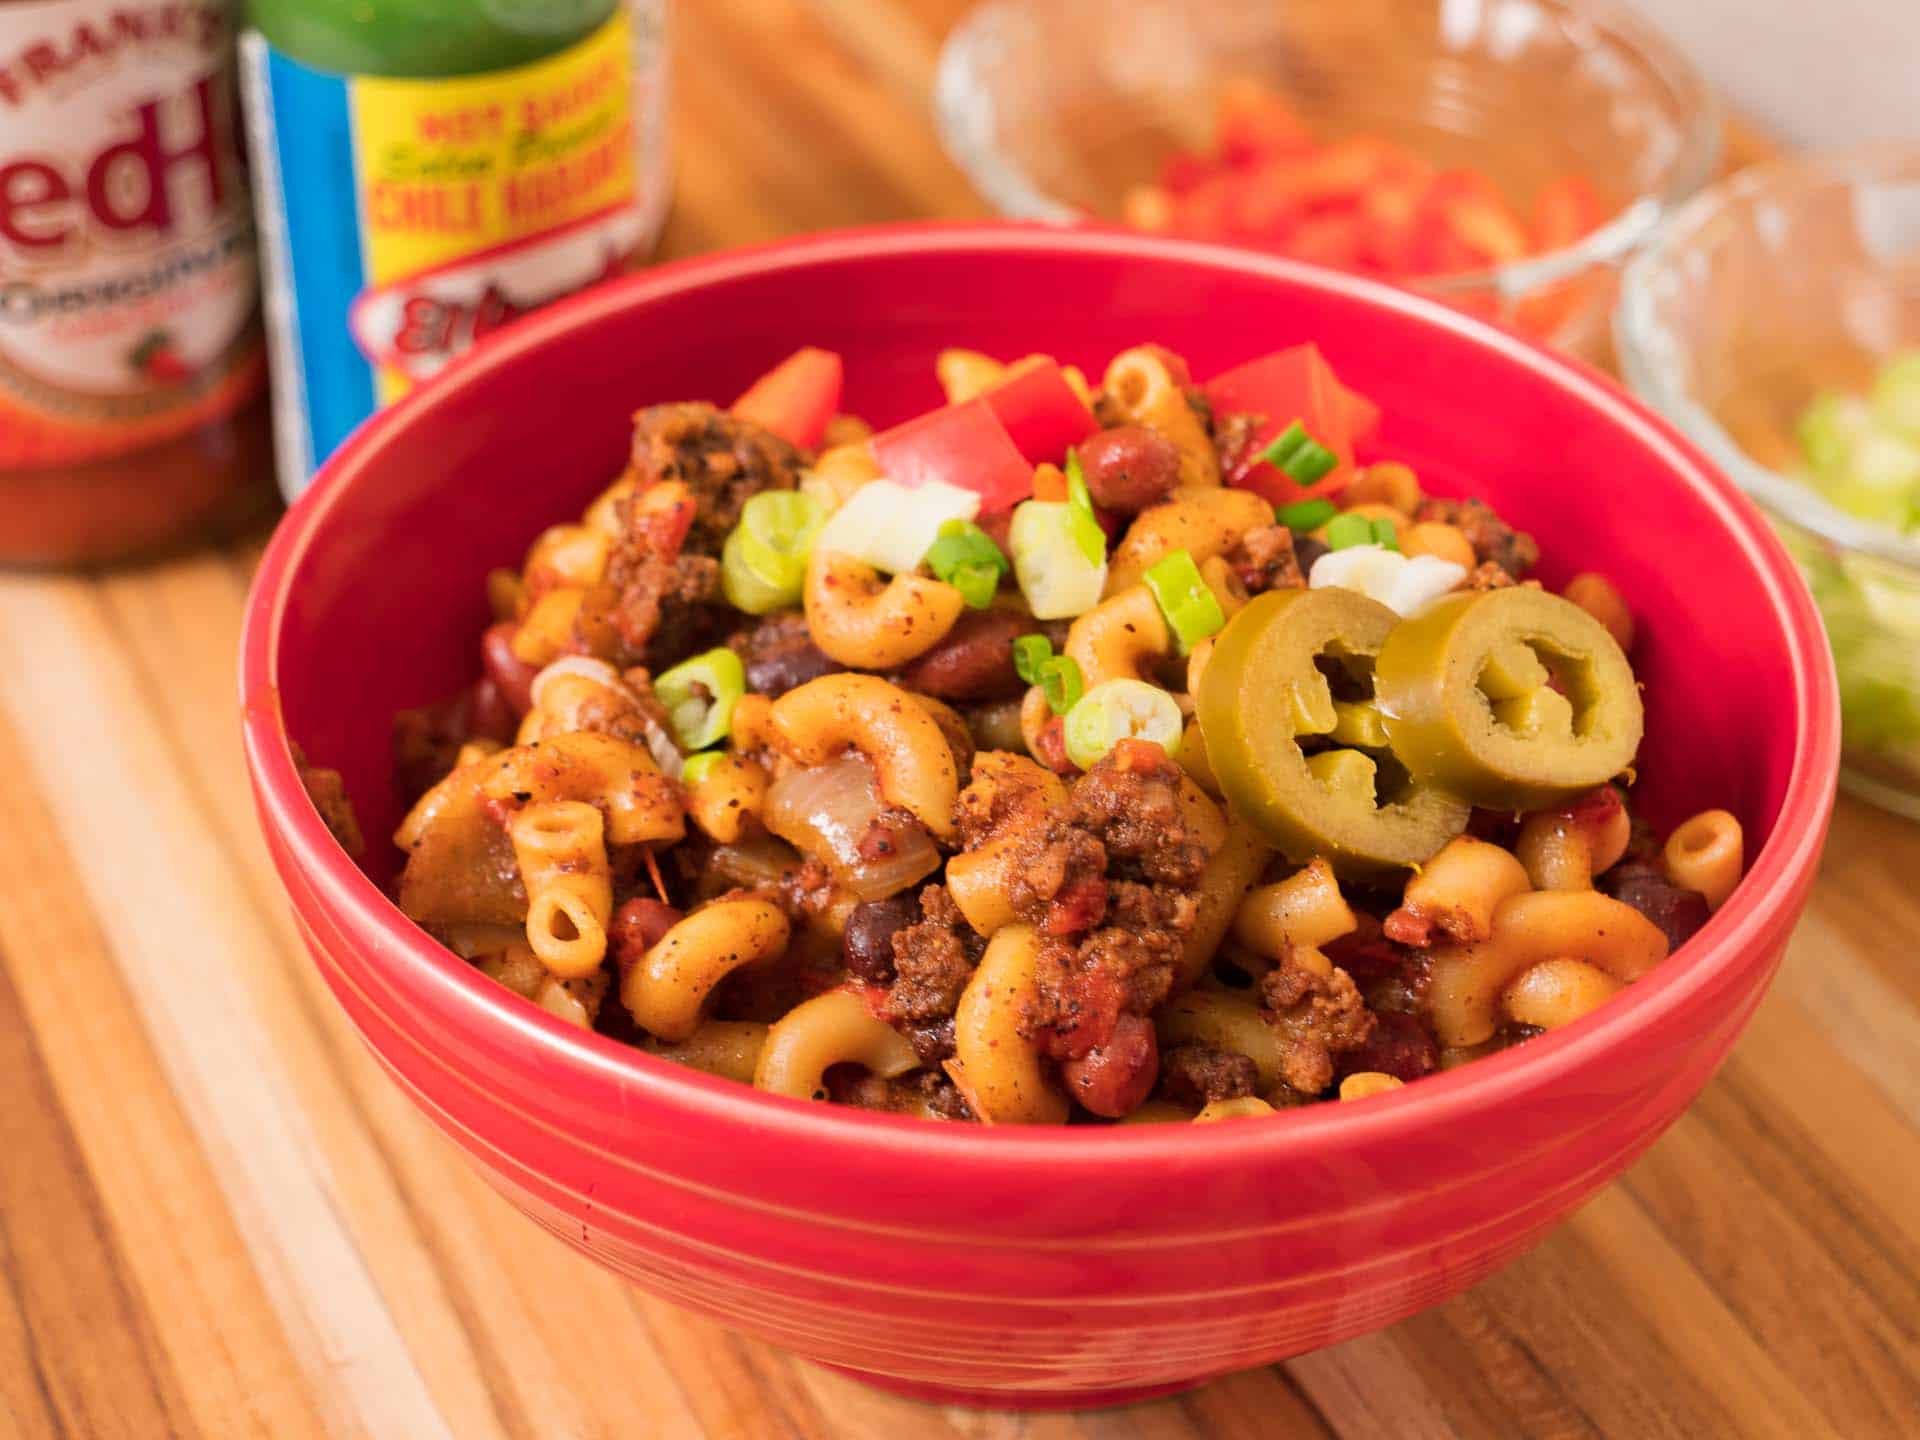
[{"x": 218, "y": 1218}]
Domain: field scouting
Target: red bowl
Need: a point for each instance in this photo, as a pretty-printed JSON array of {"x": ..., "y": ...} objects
[{"x": 1048, "y": 1266}]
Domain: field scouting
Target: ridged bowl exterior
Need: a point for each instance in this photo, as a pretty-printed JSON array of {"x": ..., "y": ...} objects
[{"x": 1060, "y": 1266}]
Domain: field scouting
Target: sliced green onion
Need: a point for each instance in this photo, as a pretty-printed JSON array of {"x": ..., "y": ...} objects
[
  {"x": 966, "y": 558},
  {"x": 1345, "y": 530},
  {"x": 745, "y": 587},
  {"x": 1087, "y": 531},
  {"x": 1193, "y": 611},
  {"x": 1299, "y": 456},
  {"x": 776, "y": 534},
  {"x": 1385, "y": 535},
  {"x": 1087, "y": 535},
  {"x": 1059, "y": 573},
  {"x": 1286, "y": 444},
  {"x": 1305, "y": 515},
  {"x": 1117, "y": 710},
  {"x": 977, "y": 584},
  {"x": 1030, "y": 652},
  {"x": 1062, "y": 683},
  {"x": 1077, "y": 492},
  {"x": 700, "y": 695},
  {"x": 699, "y": 768}
]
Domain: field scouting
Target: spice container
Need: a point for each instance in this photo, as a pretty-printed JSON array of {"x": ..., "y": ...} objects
[
  {"x": 132, "y": 378},
  {"x": 427, "y": 170}
]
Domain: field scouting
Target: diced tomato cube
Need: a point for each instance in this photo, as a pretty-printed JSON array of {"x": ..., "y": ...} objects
[
  {"x": 1363, "y": 416},
  {"x": 1288, "y": 385},
  {"x": 1253, "y": 123},
  {"x": 1042, "y": 413},
  {"x": 797, "y": 397},
  {"x": 1327, "y": 239},
  {"x": 1565, "y": 210},
  {"x": 1205, "y": 212},
  {"x": 1184, "y": 169},
  {"x": 1263, "y": 206},
  {"x": 1389, "y": 237},
  {"x": 1467, "y": 224},
  {"x": 963, "y": 445}
]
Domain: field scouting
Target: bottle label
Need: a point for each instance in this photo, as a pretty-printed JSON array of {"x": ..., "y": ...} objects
[
  {"x": 404, "y": 220},
  {"x": 127, "y": 282}
]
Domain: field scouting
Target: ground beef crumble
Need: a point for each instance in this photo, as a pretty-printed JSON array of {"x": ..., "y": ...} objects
[
  {"x": 1318, "y": 1016},
  {"x": 723, "y": 460},
  {"x": 1108, "y": 881},
  {"x": 1494, "y": 541},
  {"x": 329, "y": 795},
  {"x": 1265, "y": 560},
  {"x": 921, "y": 1092},
  {"x": 1489, "y": 576},
  {"x": 1199, "y": 1075},
  {"x": 665, "y": 567},
  {"x": 1237, "y": 437},
  {"x": 932, "y": 961}
]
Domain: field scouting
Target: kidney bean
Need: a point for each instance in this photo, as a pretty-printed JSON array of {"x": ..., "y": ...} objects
[
  {"x": 1115, "y": 1079},
  {"x": 1679, "y": 913},
  {"x": 1368, "y": 953},
  {"x": 637, "y": 927},
  {"x": 507, "y": 670},
  {"x": 779, "y": 655},
  {"x": 1306, "y": 550},
  {"x": 1129, "y": 467},
  {"x": 1399, "y": 1046},
  {"x": 974, "y": 661},
  {"x": 868, "y": 940},
  {"x": 488, "y": 713}
]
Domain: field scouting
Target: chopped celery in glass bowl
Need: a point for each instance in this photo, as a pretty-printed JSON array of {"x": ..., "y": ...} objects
[{"x": 1777, "y": 322}]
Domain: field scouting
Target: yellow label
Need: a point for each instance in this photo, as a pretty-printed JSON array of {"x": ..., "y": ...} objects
[{"x": 457, "y": 171}]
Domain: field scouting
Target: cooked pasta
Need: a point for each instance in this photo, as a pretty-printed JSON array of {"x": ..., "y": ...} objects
[
  {"x": 1300, "y": 791},
  {"x": 560, "y": 849}
]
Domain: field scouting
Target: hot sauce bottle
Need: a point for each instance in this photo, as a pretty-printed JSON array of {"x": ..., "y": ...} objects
[
  {"x": 428, "y": 170},
  {"x": 132, "y": 377}
]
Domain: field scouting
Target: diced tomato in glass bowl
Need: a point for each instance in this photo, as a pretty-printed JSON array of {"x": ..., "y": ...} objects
[{"x": 1506, "y": 161}]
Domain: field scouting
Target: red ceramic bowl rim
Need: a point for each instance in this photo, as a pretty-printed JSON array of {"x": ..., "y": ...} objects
[{"x": 1786, "y": 860}]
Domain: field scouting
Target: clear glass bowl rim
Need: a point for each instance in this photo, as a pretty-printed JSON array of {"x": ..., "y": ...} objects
[
  {"x": 1637, "y": 334},
  {"x": 1699, "y": 123}
]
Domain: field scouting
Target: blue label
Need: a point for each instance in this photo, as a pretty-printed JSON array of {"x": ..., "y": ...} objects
[{"x": 305, "y": 187}]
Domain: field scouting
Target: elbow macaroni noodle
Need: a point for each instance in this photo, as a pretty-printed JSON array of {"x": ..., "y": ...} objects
[
  {"x": 996, "y": 1067},
  {"x": 858, "y": 621},
  {"x": 1147, "y": 393}
]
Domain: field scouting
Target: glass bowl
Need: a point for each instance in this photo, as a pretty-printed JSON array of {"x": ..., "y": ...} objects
[
  {"x": 1056, "y": 108},
  {"x": 1791, "y": 278}
]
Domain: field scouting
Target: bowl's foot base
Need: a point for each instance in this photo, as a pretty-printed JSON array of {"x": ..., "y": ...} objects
[{"x": 1018, "y": 1399}]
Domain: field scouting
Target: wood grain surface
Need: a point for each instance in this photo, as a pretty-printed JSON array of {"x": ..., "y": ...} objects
[{"x": 217, "y": 1218}]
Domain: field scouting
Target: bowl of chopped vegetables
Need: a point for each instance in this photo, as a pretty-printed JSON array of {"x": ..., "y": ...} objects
[
  {"x": 1778, "y": 322},
  {"x": 1505, "y": 158}
]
